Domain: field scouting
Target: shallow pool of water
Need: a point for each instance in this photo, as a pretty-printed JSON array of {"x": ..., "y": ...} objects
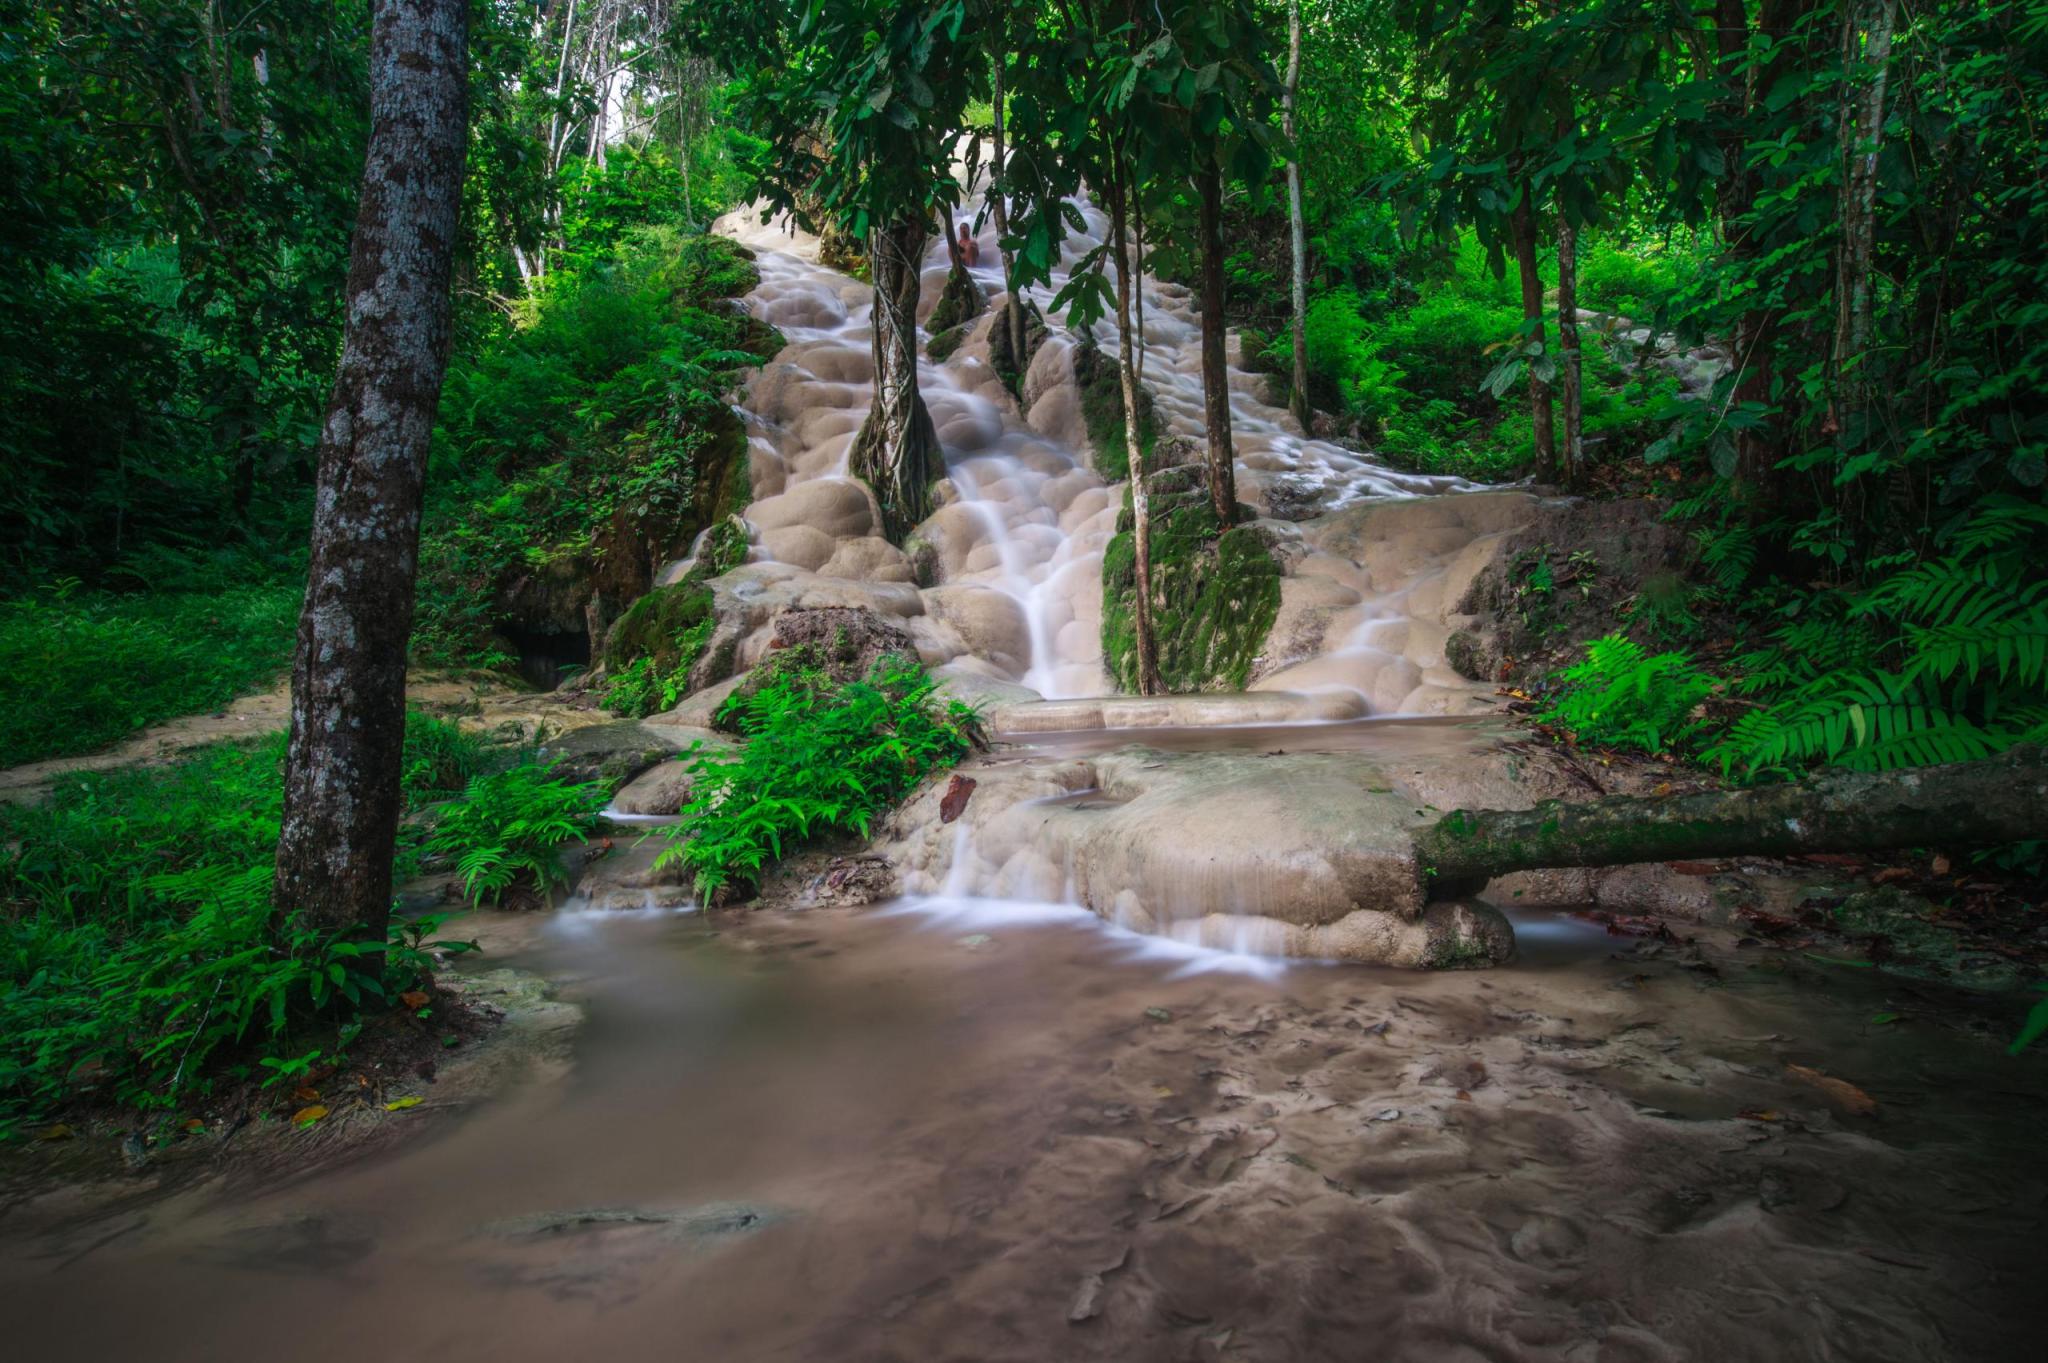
[{"x": 989, "y": 1131}]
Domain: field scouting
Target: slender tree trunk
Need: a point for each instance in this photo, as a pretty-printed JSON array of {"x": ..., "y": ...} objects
[
  {"x": 1297, "y": 398},
  {"x": 1141, "y": 501},
  {"x": 1570, "y": 374},
  {"x": 1138, "y": 279},
  {"x": 1866, "y": 43},
  {"x": 1215, "y": 366},
  {"x": 1013, "y": 309},
  {"x": 1523, "y": 225},
  {"x": 1997, "y": 800},
  {"x": 342, "y": 766},
  {"x": 897, "y": 451}
]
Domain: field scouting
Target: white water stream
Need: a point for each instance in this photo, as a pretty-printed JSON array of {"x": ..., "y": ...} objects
[{"x": 1019, "y": 540}]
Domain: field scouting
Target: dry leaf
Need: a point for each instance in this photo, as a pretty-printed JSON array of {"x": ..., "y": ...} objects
[
  {"x": 414, "y": 999},
  {"x": 59, "y": 1132},
  {"x": 1891, "y": 875},
  {"x": 1761, "y": 1114},
  {"x": 1840, "y": 1092},
  {"x": 306, "y": 1095},
  {"x": 306, "y": 1116},
  {"x": 401, "y": 1104}
]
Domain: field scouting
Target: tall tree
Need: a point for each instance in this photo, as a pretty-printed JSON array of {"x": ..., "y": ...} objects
[
  {"x": 882, "y": 86},
  {"x": 1297, "y": 237},
  {"x": 342, "y": 767}
]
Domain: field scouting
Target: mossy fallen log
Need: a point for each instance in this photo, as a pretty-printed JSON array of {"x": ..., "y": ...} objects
[{"x": 1998, "y": 800}]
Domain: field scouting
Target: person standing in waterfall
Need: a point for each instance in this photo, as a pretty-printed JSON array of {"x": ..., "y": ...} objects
[{"x": 970, "y": 250}]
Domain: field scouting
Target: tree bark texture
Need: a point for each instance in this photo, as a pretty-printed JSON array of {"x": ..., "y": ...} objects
[
  {"x": 342, "y": 766},
  {"x": 1569, "y": 370},
  {"x": 1522, "y": 224},
  {"x": 1141, "y": 501},
  {"x": 1215, "y": 363},
  {"x": 1297, "y": 397},
  {"x": 1013, "y": 307},
  {"x": 897, "y": 451},
  {"x": 1998, "y": 800},
  {"x": 1866, "y": 47}
]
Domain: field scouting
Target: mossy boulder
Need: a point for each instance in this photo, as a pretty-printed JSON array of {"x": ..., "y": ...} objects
[
  {"x": 1102, "y": 410},
  {"x": 960, "y": 301},
  {"x": 830, "y": 644},
  {"x": 943, "y": 343},
  {"x": 662, "y": 625},
  {"x": 1007, "y": 366},
  {"x": 1215, "y": 592}
]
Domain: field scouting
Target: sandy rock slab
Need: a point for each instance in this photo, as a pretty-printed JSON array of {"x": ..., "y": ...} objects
[{"x": 1289, "y": 854}]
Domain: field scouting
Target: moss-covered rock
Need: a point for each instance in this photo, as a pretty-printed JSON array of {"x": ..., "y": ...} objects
[
  {"x": 659, "y": 626},
  {"x": 832, "y": 645},
  {"x": 960, "y": 301},
  {"x": 943, "y": 343},
  {"x": 1215, "y": 592},
  {"x": 1102, "y": 409},
  {"x": 1008, "y": 368}
]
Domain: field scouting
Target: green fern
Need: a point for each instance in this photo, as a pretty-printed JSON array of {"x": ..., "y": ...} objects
[{"x": 1625, "y": 697}]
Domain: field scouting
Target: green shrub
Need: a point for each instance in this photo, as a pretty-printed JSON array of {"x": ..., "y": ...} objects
[
  {"x": 440, "y": 758},
  {"x": 81, "y": 670},
  {"x": 139, "y": 956},
  {"x": 1621, "y": 696},
  {"x": 818, "y": 759},
  {"x": 505, "y": 827}
]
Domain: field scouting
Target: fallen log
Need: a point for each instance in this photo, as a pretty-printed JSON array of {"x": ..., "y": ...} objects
[{"x": 1998, "y": 800}]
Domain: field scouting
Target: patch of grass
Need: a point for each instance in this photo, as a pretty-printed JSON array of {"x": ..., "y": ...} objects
[
  {"x": 79, "y": 671},
  {"x": 141, "y": 961},
  {"x": 819, "y": 758}
]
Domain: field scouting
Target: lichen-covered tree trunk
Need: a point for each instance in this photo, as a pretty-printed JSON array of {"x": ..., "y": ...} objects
[
  {"x": 1141, "y": 502},
  {"x": 897, "y": 451},
  {"x": 1215, "y": 367},
  {"x": 1866, "y": 47},
  {"x": 1998, "y": 800},
  {"x": 1569, "y": 371},
  {"x": 1013, "y": 307},
  {"x": 1297, "y": 398},
  {"x": 1522, "y": 223},
  {"x": 342, "y": 766}
]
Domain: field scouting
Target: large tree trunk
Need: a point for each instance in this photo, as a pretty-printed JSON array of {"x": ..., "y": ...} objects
[
  {"x": 1523, "y": 225},
  {"x": 1999, "y": 800},
  {"x": 1141, "y": 501},
  {"x": 1570, "y": 374},
  {"x": 342, "y": 767},
  {"x": 1866, "y": 44},
  {"x": 1013, "y": 308},
  {"x": 897, "y": 451},
  {"x": 1215, "y": 365},
  {"x": 1297, "y": 398}
]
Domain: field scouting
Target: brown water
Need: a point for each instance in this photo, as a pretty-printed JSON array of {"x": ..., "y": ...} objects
[{"x": 906, "y": 1136}]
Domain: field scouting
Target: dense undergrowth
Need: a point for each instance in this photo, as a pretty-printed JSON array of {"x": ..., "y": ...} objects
[
  {"x": 142, "y": 963},
  {"x": 821, "y": 758}
]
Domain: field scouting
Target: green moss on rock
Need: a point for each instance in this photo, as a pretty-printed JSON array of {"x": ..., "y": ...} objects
[
  {"x": 1215, "y": 593},
  {"x": 657, "y": 626},
  {"x": 1102, "y": 409},
  {"x": 960, "y": 301},
  {"x": 943, "y": 343}
]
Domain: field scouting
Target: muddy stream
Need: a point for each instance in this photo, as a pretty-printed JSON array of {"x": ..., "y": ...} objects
[{"x": 971, "y": 1130}]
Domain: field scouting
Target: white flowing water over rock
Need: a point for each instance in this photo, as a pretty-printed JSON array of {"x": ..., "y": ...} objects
[{"x": 1016, "y": 547}]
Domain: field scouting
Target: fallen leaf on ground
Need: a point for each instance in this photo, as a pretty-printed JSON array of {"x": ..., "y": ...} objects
[
  {"x": 1891, "y": 875},
  {"x": 414, "y": 999},
  {"x": 306, "y": 1116},
  {"x": 59, "y": 1132},
  {"x": 401, "y": 1104},
  {"x": 1761, "y": 1114},
  {"x": 955, "y": 798},
  {"x": 306, "y": 1095},
  {"x": 1840, "y": 1092}
]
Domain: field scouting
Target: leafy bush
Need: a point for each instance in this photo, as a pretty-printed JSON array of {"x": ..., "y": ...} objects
[
  {"x": 818, "y": 759},
  {"x": 440, "y": 758},
  {"x": 1624, "y": 697},
  {"x": 604, "y": 409},
  {"x": 81, "y": 670},
  {"x": 139, "y": 956},
  {"x": 505, "y": 827}
]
